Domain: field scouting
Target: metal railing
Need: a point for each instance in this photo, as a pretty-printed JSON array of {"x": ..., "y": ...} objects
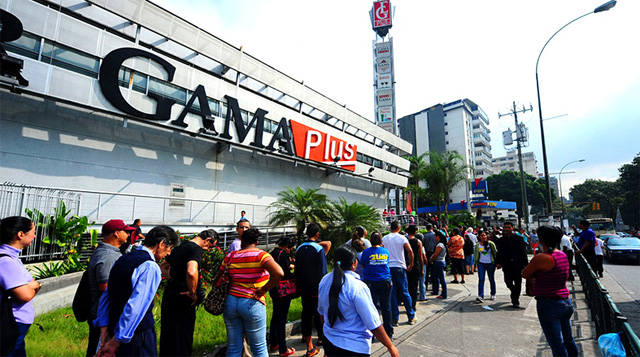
[
  {"x": 100, "y": 206},
  {"x": 604, "y": 312},
  {"x": 15, "y": 199},
  {"x": 192, "y": 214}
]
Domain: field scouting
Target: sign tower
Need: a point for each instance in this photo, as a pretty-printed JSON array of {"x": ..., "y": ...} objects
[{"x": 381, "y": 15}]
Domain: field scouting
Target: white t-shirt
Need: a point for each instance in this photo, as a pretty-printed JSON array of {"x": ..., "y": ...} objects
[
  {"x": 598, "y": 246},
  {"x": 566, "y": 242},
  {"x": 473, "y": 238},
  {"x": 394, "y": 242}
]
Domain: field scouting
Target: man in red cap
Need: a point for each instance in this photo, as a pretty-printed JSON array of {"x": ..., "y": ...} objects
[{"x": 114, "y": 233}]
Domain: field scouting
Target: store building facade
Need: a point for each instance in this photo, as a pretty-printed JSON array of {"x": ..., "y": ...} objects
[{"x": 128, "y": 104}]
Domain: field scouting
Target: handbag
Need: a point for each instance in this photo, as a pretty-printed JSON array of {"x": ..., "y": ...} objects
[
  {"x": 215, "y": 300},
  {"x": 9, "y": 330},
  {"x": 286, "y": 288}
]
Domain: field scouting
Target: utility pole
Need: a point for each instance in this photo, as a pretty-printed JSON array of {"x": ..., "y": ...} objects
[{"x": 520, "y": 137}]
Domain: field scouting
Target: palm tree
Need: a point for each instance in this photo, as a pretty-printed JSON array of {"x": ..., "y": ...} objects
[
  {"x": 416, "y": 174},
  {"x": 348, "y": 216},
  {"x": 300, "y": 207},
  {"x": 444, "y": 172}
]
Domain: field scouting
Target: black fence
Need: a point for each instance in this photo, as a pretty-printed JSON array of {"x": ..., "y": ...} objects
[{"x": 604, "y": 312}]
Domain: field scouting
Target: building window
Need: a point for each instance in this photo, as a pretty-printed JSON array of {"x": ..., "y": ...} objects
[
  {"x": 27, "y": 45},
  {"x": 446, "y": 142},
  {"x": 446, "y": 133},
  {"x": 68, "y": 58}
]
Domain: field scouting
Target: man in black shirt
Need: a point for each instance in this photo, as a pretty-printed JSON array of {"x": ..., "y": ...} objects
[
  {"x": 180, "y": 296},
  {"x": 512, "y": 258}
]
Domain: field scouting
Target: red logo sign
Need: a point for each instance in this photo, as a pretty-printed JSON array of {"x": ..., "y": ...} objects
[
  {"x": 312, "y": 144},
  {"x": 381, "y": 13}
]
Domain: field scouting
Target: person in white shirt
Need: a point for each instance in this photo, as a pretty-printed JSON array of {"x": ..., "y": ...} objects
[
  {"x": 598, "y": 268},
  {"x": 566, "y": 244},
  {"x": 397, "y": 244}
]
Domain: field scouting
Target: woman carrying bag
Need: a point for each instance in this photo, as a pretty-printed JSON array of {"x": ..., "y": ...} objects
[{"x": 281, "y": 299}]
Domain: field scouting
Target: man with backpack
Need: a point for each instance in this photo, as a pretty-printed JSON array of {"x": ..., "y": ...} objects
[{"x": 115, "y": 233}]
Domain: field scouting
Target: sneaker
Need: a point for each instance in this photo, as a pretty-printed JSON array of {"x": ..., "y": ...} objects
[
  {"x": 440, "y": 297},
  {"x": 493, "y": 297},
  {"x": 394, "y": 323},
  {"x": 454, "y": 282},
  {"x": 413, "y": 321},
  {"x": 463, "y": 282},
  {"x": 516, "y": 306},
  {"x": 479, "y": 299}
]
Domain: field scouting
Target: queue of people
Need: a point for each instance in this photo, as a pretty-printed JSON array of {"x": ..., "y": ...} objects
[{"x": 370, "y": 278}]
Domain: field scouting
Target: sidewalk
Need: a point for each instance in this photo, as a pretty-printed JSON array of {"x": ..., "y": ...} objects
[{"x": 460, "y": 326}]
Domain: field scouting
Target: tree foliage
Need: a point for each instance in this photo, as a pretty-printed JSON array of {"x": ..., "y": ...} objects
[
  {"x": 606, "y": 193},
  {"x": 347, "y": 216},
  {"x": 507, "y": 186},
  {"x": 630, "y": 190},
  {"x": 299, "y": 206},
  {"x": 444, "y": 172}
]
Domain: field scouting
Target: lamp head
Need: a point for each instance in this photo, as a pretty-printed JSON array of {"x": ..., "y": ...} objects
[
  {"x": 582, "y": 160},
  {"x": 605, "y": 7}
]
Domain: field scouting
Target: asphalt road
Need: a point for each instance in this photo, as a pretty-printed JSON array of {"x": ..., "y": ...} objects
[{"x": 622, "y": 282}]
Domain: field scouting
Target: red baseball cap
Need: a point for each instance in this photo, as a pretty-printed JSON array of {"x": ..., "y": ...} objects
[{"x": 115, "y": 225}]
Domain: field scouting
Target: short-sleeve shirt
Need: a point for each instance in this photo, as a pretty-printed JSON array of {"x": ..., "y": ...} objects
[
  {"x": 587, "y": 236},
  {"x": 356, "y": 306},
  {"x": 12, "y": 275},
  {"x": 375, "y": 261},
  {"x": 456, "y": 245},
  {"x": 235, "y": 245},
  {"x": 311, "y": 266},
  {"x": 179, "y": 259},
  {"x": 429, "y": 241},
  {"x": 443, "y": 253},
  {"x": 99, "y": 268},
  {"x": 394, "y": 242},
  {"x": 246, "y": 272}
]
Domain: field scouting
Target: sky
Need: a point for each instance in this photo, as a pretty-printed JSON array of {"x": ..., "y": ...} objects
[{"x": 485, "y": 51}]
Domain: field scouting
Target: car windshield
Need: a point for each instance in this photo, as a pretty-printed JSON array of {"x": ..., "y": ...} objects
[
  {"x": 626, "y": 242},
  {"x": 602, "y": 226}
]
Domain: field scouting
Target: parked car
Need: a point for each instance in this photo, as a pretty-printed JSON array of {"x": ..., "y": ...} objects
[
  {"x": 606, "y": 237},
  {"x": 623, "y": 234},
  {"x": 617, "y": 248}
]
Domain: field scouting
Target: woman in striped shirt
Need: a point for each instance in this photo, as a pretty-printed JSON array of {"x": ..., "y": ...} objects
[
  {"x": 548, "y": 272},
  {"x": 252, "y": 272}
]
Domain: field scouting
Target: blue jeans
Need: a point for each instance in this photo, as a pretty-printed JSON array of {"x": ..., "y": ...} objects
[
  {"x": 400, "y": 290},
  {"x": 555, "y": 320},
  {"x": 423, "y": 283},
  {"x": 490, "y": 269},
  {"x": 438, "y": 277},
  {"x": 244, "y": 315},
  {"x": 19, "y": 348},
  {"x": 381, "y": 291}
]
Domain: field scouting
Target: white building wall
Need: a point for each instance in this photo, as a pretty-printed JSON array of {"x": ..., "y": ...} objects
[{"x": 458, "y": 137}]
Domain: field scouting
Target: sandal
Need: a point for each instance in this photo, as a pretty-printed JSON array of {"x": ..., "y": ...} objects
[
  {"x": 289, "y": 352},
  {"x": 312, "y": 352}
]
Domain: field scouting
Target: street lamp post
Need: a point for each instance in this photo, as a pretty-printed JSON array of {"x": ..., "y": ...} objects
[
  {"x": 604, "y": 7},
  {"x": 560, "y": 187}
]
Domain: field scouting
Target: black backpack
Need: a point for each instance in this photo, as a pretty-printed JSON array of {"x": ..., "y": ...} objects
[
  {"x": 82, "y": 300},
  {"x": 9, "y": 330}
]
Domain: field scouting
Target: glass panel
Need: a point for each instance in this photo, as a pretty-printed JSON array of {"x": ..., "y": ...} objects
[
  {"x": 68, "y": 58},
  {"x": 214, "y": 105},
  {"x": 124, "y": 76},
  {"x": 168, "y": 90},
  {"x": 27, "y": 45},
  {"x": 140, "y": 82}
]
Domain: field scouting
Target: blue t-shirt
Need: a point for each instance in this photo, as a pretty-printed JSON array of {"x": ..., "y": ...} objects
[
  {"x": 375, "y": 261},
  {"x": 587, "y": 236}
]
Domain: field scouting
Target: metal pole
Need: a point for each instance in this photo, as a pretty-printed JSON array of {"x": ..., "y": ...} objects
[
  {"x": 544, "y": 147},
  {"x": 560, "y": 187}
]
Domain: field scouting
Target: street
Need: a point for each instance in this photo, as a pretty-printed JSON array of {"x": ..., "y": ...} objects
[{"x": 621, "y": 280}]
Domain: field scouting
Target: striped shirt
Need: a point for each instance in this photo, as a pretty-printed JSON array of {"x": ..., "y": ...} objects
[
  {"x": 246, "y": 272},
  {"x": 553, "y": 283}
]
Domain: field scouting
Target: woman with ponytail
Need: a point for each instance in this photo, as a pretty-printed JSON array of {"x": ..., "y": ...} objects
[
  {"x": 349, "y": 315},
  {"x": 548, "y": 271}
]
